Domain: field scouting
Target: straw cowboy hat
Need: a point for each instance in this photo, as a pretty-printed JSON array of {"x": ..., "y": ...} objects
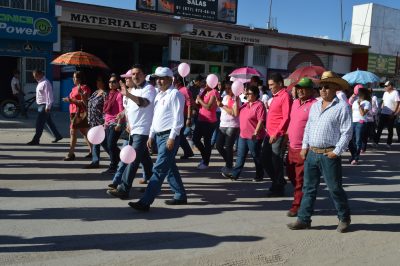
[{"x": 331, "y": 77}]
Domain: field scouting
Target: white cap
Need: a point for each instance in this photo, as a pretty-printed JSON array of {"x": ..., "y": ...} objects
[
  {"x": 148, "y": 78},
  {"x": 388, "y": 83},
  {"x": 163, "y": 72}
]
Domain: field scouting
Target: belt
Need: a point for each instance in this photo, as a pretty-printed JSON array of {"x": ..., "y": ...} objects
[
  {"x": 163, "y": 132},
  {"x": 322, "y": 150}
]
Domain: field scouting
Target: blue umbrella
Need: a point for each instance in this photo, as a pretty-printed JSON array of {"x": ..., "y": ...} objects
[{"x": 360, "y": 77}]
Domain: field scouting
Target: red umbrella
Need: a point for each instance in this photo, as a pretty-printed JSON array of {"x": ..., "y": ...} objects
[
  {"x": 80, "y": 59},
  {"x": 245, "y": 73},
  {"x": 307, "y": 71}
]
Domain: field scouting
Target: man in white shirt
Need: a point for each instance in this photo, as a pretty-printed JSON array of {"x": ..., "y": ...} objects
[
  {"x": 18, "y": 92},
  {"x": 139, "y": 113},
  {"x": 389, "y": 110},
  {"x": 167, "y": 123},
  {"x": 44, "y": 100}
]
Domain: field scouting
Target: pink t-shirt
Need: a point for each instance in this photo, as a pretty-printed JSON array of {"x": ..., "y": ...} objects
[
  {"x": 210, "y": 115},
  {"x": 298, "y": 121},
  {"x": 279, "y": 114},
  {"x": 188, "y": 99},
  {"x": 226, "y": 119},
  {"x": 116, "y": 108},
  {"x": 249, "y": 117},
  {"x": 85, "y": 91}
]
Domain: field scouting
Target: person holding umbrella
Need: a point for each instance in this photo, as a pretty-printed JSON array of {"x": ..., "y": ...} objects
[{"x": 77, "y": 100}]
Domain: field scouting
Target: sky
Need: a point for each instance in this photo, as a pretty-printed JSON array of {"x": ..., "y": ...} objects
[{"x": 317, "y": 18}]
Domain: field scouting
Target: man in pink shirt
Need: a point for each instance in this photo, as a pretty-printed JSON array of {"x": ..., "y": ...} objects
[
  {"x": 298, "y": 120},
  {"x": 277, "y": 124},
  {"x": 44, "y": 100}
]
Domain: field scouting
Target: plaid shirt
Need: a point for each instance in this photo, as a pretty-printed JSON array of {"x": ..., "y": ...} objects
[{"x": 331, "y": 127}]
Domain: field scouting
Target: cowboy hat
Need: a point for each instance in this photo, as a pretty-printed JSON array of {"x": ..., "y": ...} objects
[{"x": 331, "y": 77}]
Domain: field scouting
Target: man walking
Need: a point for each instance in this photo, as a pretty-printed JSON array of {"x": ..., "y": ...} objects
[
  {"x": 326, "y": 137},
  {"x": 44, "y": 100},
  {"x": 389, "y": 111},
  {"x": 139, "y": 112},
  {"x": 298, "y": 120},
  {"x": 18, "y": 92},
  {"x": 277, "y": 124},
  {"x": 166, "y": 125}
]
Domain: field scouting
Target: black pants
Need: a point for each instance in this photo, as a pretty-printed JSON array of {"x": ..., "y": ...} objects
[
  {"x": 227, "y": 137},
  {"x": 385, "y": 121},
  {"x": 272, "y": 160},
  {"x": 204, "y": 130}
]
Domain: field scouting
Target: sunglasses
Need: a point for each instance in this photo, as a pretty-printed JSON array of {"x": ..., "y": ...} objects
[
  {"x": 113, "y": 81},
  {"x": 326, "y": 87}
]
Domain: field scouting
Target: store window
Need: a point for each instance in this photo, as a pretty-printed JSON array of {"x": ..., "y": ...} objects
[
  {"x": 34, "y": 5},
  {"x": 32, "y": 64}
]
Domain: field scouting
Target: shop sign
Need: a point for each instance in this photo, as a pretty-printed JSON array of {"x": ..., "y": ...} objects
[
  {"x": 27, "y": 26},
  {"x": 217, "y": 10},
  {"x": 111, "y": 22},
  {"x": 382, "y": 64},
  {"x": 227, "y": 36}
]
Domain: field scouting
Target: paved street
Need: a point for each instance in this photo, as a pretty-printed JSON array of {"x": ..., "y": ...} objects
[{"x": 56, "y": 213}]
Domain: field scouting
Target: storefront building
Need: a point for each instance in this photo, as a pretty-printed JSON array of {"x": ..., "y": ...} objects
[{"x": 28, "y": 29}]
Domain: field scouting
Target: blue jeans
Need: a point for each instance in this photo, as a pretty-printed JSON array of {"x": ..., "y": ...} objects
[
  {"x": 356, "y": 142},
  {"x": 215, "y": 134},
  {"x": 96, "y": 151},
  {"x": 117, "y": 179},
  {"x": 272, "y": 157},
  {"x": 112, "y": 137},
  {"x": 204, "y": 130},
  {"x": 165, "y": 167},
  {"x": 139, "y": 143},
  {"x": 42, "y": 119},
  {"x": 244, "y": 146},
  {"x": 315, "y": 166}
]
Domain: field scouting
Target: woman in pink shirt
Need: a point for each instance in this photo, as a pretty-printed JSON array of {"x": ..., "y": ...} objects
[
  {"x": 252, "y": 120},
  {"x": 78, "y": 99},
  {"x": 206, "y": 124},
  {"x": 112, "y": 107}
]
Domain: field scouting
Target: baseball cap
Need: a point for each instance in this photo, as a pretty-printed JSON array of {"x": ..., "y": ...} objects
[
  {"x": 128, "y": 74},
  {"x": 304, "y": 83},
  {"x": 163, "y": 72},
  {"x": 388, "y": 83}
]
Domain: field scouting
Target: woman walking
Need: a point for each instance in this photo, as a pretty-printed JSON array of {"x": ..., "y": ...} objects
[
  {"x": 77, "y": 100},
  {"x": 96, "y": 118},
  {"x": 229, "y": 126},
  {"x": 251, "y": 119},
  {"x": 206, "y": 124}
]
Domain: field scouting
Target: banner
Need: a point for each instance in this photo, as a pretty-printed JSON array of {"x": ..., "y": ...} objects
[
  {"x": 382, "y": 64},
  {"x": 217, "y": 10}
]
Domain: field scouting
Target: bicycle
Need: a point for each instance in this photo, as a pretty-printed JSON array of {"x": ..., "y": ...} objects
[{"x": 10, "y": 108}]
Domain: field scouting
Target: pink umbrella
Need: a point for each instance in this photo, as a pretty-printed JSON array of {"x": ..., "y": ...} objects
[{"x": 245, "y": 73}]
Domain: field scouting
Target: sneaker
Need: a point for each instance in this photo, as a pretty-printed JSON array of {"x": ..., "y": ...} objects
[
  {"x": 227, "y": 175},
  {"x": 362, "y": 151},
  {"x": 354, "y": 162},
  {"x": 112, "y": 186},
  {"x": 202, "y": 166},
  {"x": 343, "y": 226},
  {"x": 388, "y": 146},
  {"x": 118, "y": 194},
  {"x": 299, "y": 225}
]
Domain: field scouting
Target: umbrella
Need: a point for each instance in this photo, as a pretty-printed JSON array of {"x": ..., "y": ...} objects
[
  {"x": 245, "y": 73},
  {"x": 361, "y": 77},
  {"x": 80, "y": 59},
  {"x": 307, "y": 71}
]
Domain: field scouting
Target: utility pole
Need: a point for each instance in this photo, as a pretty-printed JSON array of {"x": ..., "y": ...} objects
[
  {"x": 269, "y": 17},
  {"x": 341, "y": 19}
]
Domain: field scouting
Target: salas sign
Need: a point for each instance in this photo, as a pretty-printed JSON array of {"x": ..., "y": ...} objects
[
  {"x": 18, "y": 25},
  {"x": 218, "y": 10}
]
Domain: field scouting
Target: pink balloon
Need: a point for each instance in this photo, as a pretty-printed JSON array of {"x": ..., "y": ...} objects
[
  {"x": 237, "y": 88},
  {"x": 127, "y": 154},
  {"x": 96, "y": 134},
  {"x": 183, "y": 69},
  {"x": 212, "y": 81}
]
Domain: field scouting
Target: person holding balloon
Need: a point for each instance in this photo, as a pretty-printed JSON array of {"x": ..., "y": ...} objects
[
  {"x": 251, "y": 121},
  {"x": 139, "y": 112},
  {"x": 207, "y": 120},
  {"x": 229, "y": 123},
  {"x": 166, "y": 125}
]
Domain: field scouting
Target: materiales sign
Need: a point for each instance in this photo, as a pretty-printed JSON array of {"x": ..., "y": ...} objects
[{"x": 217, "y": 10}]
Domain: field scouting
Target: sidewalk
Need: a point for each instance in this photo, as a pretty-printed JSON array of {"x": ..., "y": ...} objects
[{"x": 56, "y": 213}]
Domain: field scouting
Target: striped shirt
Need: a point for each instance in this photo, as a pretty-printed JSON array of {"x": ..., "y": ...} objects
[
  {"x": 44, "y": 93},
  {"x": 331, "y": 127}
]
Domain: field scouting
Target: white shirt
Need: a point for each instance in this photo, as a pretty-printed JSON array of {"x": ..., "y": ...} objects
[
  {"x": 390, "y": 100},
  {"x": 15, "y": 85},
  {"x": 168, "y": 112},
  {"x": 342, "y": 96},
  {"x": 374, "y": 109},
  {"x": 357, "y": 117},
  {"x": 140, "y": 118},
  {"x": 228, "y": 120},
  {"x": 44, "y": 93}
]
